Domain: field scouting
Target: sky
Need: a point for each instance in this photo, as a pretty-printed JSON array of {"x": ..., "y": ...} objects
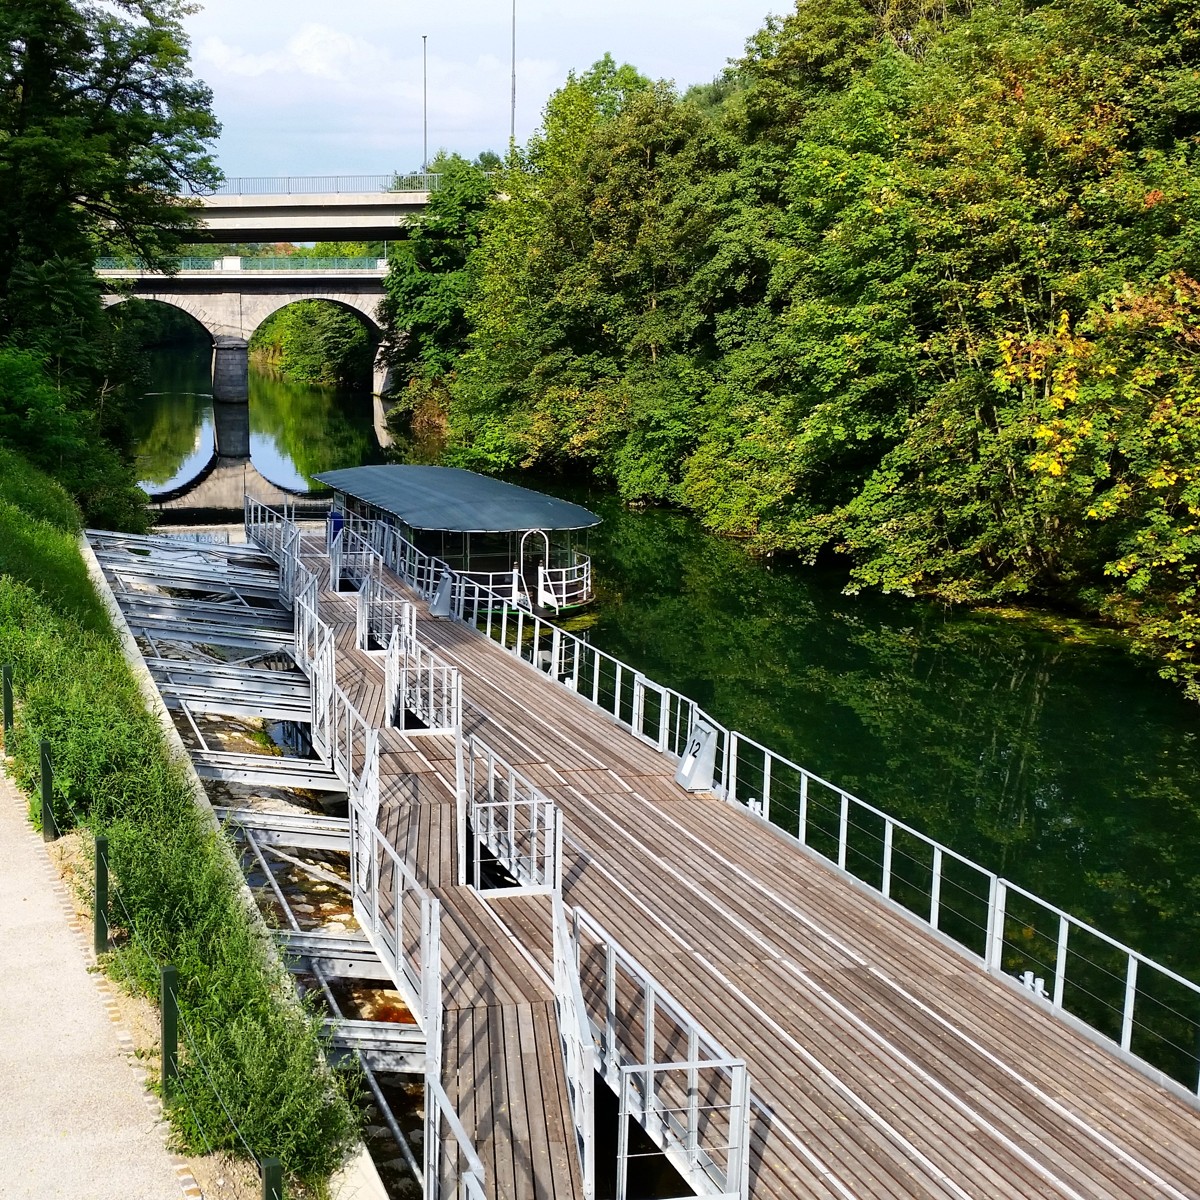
[{"x": 323, "y": 87}]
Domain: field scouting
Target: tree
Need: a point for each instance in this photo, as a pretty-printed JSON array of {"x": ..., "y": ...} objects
[{"x": 102, "y": 129}]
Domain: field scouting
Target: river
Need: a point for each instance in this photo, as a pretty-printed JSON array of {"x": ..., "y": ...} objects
[{"x": 1038, "y": 747}]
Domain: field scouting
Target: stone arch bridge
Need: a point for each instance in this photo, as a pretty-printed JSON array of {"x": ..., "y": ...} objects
[{"x": 231, "y": 297}]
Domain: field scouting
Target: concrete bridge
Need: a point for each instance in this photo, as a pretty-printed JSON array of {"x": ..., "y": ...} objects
[
  {"x": 231, "y": 297},
  {"x": 361, "y": 208}
]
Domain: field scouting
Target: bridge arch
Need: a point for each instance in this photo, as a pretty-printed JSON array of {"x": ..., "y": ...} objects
[
  {"x": 365, "y": 307},
  {"x": 185, "y": 304}
]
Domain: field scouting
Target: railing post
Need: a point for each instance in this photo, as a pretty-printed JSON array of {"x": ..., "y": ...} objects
[
  {"x": 1131, "y": 973},
  {"x": 169, "y": 1002},
  {"x": 6, "y": 674},
  {"x": 885, "y": 881},
  {"x": 1060, "y": 961},
  {"x": 843, "y": 831},
  {"x": 272, "y": 1179},
  {"x": 935, "y": 888},
  {"x": 995, "y": 953},
  {"x": 49, "y": 825},
  {"x": 100, "y": 915}
]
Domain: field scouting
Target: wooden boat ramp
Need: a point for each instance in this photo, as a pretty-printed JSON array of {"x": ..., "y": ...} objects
[{"x": 644, "y": 955}]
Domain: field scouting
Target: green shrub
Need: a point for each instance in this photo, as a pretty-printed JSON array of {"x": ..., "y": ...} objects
[{"x": 171, "y": 871}]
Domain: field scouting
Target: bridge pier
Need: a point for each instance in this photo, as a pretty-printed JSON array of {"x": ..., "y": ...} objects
[
  {"x": 381, "y": 376},
  {"x": 231, "y": 370}
]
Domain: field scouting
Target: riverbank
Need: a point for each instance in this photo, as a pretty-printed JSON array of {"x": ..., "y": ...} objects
[{"x": 251, "y": 1069}]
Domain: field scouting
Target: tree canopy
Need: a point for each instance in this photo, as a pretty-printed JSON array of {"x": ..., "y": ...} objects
[
  {"x": 910, "y": 284},
  {"x": 103, "y": 137}
]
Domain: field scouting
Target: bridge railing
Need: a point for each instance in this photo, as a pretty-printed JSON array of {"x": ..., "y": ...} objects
[
  {"x": 513, "y": 820},
  {"x": 311, "y": 185},
  {"x": 686, "y": 1091}
]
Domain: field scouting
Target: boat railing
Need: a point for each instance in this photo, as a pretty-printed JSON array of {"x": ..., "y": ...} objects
[{"x": 565, "y": 587}]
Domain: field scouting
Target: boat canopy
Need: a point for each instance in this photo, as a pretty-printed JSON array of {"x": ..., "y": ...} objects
[{"x": 455, "y": 500}]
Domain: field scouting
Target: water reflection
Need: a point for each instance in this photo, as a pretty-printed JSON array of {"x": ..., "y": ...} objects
[
  {"x": 295, "y": 431},
  {"x": 1053, "y": 758}
]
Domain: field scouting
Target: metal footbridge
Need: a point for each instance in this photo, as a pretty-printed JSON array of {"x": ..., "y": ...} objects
[{"x": 595, "y": 898}]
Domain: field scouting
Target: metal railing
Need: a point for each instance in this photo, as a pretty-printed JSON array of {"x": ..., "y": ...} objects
[
  {"x": 686, "y": 1091},
  {"x": 507, "y": 583},
  {"x": 313, "y": 185},
  {"x": 1147, "y": 1010},
  {"x": 187, "y": 263},
  {"x": 565, "y": 587},
  {"x": 289, "y": 262},
  {"x": 402, "y": 918},
  {"x": 380, "y": 611},
  {"x": 510, "y": 818},
  {"x": 419, "y": 682},
  {"x": 452, "y": 1168},
  {"x": 301, "y": 262},
  {"x": 578, "y": 1044}
]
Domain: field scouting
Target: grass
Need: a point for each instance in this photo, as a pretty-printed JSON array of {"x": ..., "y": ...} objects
[{"x": 251, "y": 1049}]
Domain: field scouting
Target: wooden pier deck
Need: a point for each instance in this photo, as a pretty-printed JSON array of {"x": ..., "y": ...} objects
[{"x": 882, "y": 1062}]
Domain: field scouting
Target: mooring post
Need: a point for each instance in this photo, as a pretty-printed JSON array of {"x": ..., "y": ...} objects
[
  {"x": 169, "y": 1001},
  {"x": 100, "y": 926},
  {"x": 49, "y": 825},
  {"x": 6, "y": 673},
  {"x": 272, "y": 1179}
]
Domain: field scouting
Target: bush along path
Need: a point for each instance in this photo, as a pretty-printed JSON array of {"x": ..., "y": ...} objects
[{"x": 249, "y": 1076}]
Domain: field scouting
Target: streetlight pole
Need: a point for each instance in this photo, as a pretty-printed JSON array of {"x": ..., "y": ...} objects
[
  {"x": 512, "y": 124},
  {"x": 425, "y": 103}
]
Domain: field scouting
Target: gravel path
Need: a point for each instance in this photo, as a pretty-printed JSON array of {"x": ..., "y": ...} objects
[{"x": 74, "y": 1118}]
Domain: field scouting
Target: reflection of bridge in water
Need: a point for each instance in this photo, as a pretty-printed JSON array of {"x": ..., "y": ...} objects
[{"x": 222, "y": 483}]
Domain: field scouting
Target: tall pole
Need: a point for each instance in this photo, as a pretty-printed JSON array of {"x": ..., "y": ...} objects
[
  {"x": 425, "y": 103},
  {"x": 512, "y": 123}
]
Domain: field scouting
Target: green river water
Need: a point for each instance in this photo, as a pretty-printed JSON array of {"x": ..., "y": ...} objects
[{"x": 1039, "y": 748}]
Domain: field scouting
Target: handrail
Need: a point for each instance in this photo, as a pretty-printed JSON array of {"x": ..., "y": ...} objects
[
  {"x": 578, "y": 1045},
  {"x": 515, "y": 822},
  {"x": 402, "y": 917},
  {"x": 690, "y": 1095},
  {"x": 927, "y": 880},
  {"x": 309, "y": 185}
]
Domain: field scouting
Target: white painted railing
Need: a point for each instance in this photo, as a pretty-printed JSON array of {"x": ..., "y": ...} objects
[
  {"x": 1146, "y": 1009},
  {"x": 510, "y": 818},
  {"x": 565, "y": 587},
  {"x": 578, "y": 1045},
  {"x": 452, "y": 1168},
  {"x": 507, "y": 583},
  {"x": 686, "y": 1091},
  {"x": 380, "y": 610},
  {"x": 402, "y": 918},
  {"x": 419, "y": 682}
]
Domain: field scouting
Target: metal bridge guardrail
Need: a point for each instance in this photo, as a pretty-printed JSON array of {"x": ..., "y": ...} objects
[
  {"x": 313, "y": 185},
  {"x": 1144, "y": 1008}
]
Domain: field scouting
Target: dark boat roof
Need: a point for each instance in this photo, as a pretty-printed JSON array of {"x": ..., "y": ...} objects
[{"x": 455, "y": 500}]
